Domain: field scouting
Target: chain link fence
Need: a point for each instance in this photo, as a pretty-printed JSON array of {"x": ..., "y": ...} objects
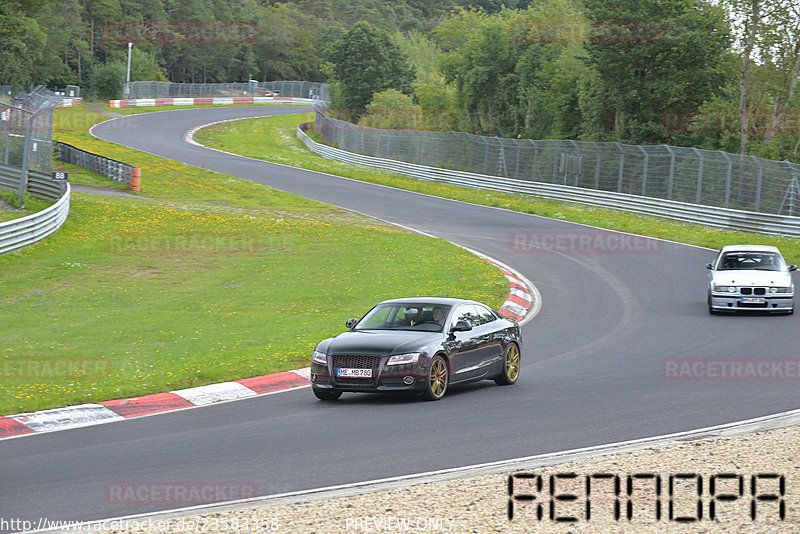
[
  {"x": 287, "y": 89},
  {"x": 26, "y": 137},
  {"x": 692, "y": 175}
]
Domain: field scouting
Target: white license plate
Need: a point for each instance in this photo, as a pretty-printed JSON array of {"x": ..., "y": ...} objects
[
  {"x": 752, "y": 300},
  {"x": 354, "y": 373}
]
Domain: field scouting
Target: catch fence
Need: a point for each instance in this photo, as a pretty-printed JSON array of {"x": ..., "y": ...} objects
[
  {"x": 286, "y": 89},
  {"x": 26, "y": 141},
  {"x": 681, "y": 174}
]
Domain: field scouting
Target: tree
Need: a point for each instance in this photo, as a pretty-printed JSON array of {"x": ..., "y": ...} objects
[
  {"x": 484, "y": 73},
  {"x": 656, "y": 55},
  {"x": 392, "y": 110},
  {"x": 366, "y": 61},
  {"x": 106, "y": 81},
  {"x": 22, "y": 42}
]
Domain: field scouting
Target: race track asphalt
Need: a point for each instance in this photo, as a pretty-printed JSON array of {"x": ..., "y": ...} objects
[{"x": 591, "y": 368}]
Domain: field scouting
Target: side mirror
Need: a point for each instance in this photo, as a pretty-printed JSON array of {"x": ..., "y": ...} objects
[
  {"x": 351, "y": 323},
  {"x": 461, "y": 326},
  {"x": 793, "y": 267},
  {"x": 709, "y": 266}
]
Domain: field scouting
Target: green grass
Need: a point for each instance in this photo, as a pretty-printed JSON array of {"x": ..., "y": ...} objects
[
  {"x": 274, "y": 139},
  {"x": 30, "y": 205},
  {"x": 128, "y": 299}
]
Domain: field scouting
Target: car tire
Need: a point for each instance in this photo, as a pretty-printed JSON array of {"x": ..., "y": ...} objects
[
  {"x": 437, "y": 380},
  {"x": 510, "y": 371},
  {"x": 327, "y": 394}
]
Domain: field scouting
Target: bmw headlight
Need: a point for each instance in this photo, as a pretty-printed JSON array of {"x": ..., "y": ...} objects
[
  {"x": 729, "y": 289},
  {"x": 320, "y": 358},
  {"x": 401, "y": 359},
  {"x": 780, "y": 290}
]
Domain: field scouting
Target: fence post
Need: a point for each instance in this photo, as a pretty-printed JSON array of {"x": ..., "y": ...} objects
[
  {"x": 26, "y": 157},
  {"x": 644, "y": 173},
  {"x": 758, "y": 182},
  {"x": 728, "y": 178},
  {"x": 699, "y": 176},
  {"x": 671, "y": 178},
  {"x": 486, "y": 155},
  {"x": 580, "y": 156},
  {"x": 597, "y": 166},
  {"x": 621, "y": 166}
]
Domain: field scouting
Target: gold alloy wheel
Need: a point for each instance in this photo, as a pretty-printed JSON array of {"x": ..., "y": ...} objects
[
  {"x": 512, "y": 363},
  {"x": 438, "y": 378}
]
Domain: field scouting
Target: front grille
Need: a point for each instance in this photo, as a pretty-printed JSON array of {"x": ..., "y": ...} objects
[
  {"x": 356, "y": 361},
  {"x": 754, "y": 291}
]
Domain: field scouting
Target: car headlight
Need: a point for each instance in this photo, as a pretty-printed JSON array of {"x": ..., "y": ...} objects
[
  {"x": 400, "y": 359},
  {"x": 780, "y": 290},
  {"x": 729, "y": 289},
  {"x": 320, "y": 358}
]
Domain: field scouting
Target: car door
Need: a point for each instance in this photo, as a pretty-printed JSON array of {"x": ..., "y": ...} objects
[
  {"x": 492, "y": 336},
  {"x": 467, "y": 347}
]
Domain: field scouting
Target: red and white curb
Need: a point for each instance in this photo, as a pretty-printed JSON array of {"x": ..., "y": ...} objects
[
  {"x": 216, "y": 101},
  {"x": 520, "y": 301},
  {"x": 117, "y": 410}
]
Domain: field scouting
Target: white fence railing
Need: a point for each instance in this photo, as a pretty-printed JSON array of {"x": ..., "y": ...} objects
[
  {"x": 27, "y": 230},
  {"x": 682, "y": 211}
]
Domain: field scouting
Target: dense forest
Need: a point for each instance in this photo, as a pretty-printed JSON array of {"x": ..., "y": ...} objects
[{"x": 718, "y": 74}]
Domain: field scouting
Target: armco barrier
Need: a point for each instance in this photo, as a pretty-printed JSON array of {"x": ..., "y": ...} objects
[
  {"x": 38, "y": 184},
  {"x": 681, "y": 211},
  {"x": 35, "y": 227},
  {"x": 110, "y": 168}
]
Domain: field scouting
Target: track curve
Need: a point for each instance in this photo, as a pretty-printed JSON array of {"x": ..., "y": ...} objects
[{"x": 590, "y": 369}]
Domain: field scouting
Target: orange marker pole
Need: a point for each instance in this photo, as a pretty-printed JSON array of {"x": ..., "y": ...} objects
[{"x": 134, "y": 185}]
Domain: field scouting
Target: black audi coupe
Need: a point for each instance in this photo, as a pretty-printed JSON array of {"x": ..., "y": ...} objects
[{"x": 420, "y": 345}]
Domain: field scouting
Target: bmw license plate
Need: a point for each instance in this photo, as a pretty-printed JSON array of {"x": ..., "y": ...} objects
[
  {"x": 752, "y": 300},
  {"x": 353, "y": 373}
]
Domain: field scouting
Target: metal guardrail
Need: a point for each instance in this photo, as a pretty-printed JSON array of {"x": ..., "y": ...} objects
[
  {"x": 681, "y": 211},
  {"x": 38, "y": 184},
  {"x": 27, "y": 230},
  {"x": 110, "y": 168}
]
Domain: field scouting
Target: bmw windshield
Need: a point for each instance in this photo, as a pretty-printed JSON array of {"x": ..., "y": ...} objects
[{"x": 751, "y": 261}]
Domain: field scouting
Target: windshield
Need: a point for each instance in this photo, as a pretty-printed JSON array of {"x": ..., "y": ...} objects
[
  {"x": 417, "y": 317},
  {"x": 752, "y": 261}
]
